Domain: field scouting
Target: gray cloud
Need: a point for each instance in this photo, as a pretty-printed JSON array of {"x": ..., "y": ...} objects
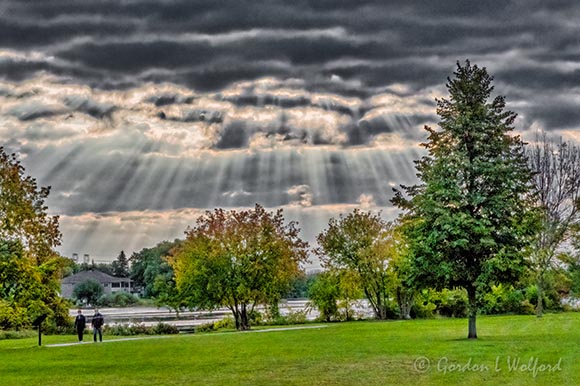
[
  {"x": 90, "y": 107},
  {"x": 32, "y": 111},
  {"x": 180, "y": 105}
]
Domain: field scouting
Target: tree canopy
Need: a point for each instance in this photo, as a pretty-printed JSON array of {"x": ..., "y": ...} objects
[
  {"x": 556, "y": 167},
  {"x": 470, "y": 219},
  {"x": 23, "y": 213},
  {"x": 89, "y": 291},
  {"x": 120, "y": 266},
  {"x": 238, "y": 259},
  {"x": 149, "y": 267},
  {"x": 29, "y": 266},
  {"x": 363, "y": 243}
]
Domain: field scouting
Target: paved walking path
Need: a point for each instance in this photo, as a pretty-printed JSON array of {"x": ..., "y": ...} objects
[{"x": 173, "y": 336}]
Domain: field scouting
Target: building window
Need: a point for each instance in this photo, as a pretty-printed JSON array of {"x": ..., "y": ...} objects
[{"x": 116, "y": 285}]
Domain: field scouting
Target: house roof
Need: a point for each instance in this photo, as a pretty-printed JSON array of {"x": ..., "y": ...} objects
[{"x": 99, "y": 276}]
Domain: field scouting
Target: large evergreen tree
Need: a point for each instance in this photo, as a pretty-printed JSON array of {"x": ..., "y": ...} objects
[{"x": 470, "y": 220}]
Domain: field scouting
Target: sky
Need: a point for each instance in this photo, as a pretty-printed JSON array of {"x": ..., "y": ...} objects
[{"x": 142, "y": 114}]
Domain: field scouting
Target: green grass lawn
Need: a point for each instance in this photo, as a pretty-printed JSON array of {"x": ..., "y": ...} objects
[{"x": 359, "y": 353}]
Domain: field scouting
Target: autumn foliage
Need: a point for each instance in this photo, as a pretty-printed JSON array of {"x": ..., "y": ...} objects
[{"x": 238, "y": 260}]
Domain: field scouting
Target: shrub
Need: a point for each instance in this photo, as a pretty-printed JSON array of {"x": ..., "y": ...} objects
[
  {"x": 13, "y": 316},
  {"x": 118, "y": 299},
  {"x": 448, "y": 303},
  {"x": 453, "y": 303},
  {"x": 296, "y": 317},
  {"x": 423, "y": 309},
  {"x": 89, "y": 291},
  {"x": 205, "y": 327},
  {"x": 324, "y": 294},
  {"x": 128, "y": 329},
  {"x": 226, "y": 323},
  {"x": 501, "y": 300},
  {"x": 21, "y": 334},
  {"x": 164, "y": 329}
]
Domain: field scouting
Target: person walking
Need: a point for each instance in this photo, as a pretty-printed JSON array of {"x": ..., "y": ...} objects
[
  {"x": 80, "y": 325},
  {"x": 97, "y": 323}
]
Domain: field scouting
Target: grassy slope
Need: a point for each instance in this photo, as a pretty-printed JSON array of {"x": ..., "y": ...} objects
[{"x": 369, "y": 353}]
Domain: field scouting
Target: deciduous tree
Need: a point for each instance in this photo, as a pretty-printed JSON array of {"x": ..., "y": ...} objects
[
  {"x": 238, "y": 259},
  {"x": 23, "y": 213},
  {"x": 89, "y": 291},
  {"x": 150, "y": 269},
  {"x": 29, "y": 266},
  {"x": 556, "y": 167},
  {"x": 363, "y": 243}
]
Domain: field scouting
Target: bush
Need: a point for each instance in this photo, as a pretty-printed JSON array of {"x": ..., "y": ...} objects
[
  {"x": 453, "y": 303},
  {"x": 423, "y": 309},
  {"x": 324, "y": 294},
  {"x": 13, "y": 316},
  {"x": 226, "y": 323},
  {"x": 292, "y": 317},
  {"x": 89, "y": 291},
  {"x": 122, "y": 329},
  {"x": 130, "y": 329},
  {"x": 51, "y": 327},
  {"x": 502, "y": 300},
  {"x": 118, "y": 299},
  {"x": 165, "y": 329},
  {"x": 21, "y": 334},
  {"x": 205, "y": 327},
  {"x": 449, "y": 303},
  {"x": 296, "y": 317}
]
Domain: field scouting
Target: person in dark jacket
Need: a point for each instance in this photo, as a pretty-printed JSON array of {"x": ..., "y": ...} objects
[
  {"x": 80, "y": 325},
  {"x": 97, "y": 323}
]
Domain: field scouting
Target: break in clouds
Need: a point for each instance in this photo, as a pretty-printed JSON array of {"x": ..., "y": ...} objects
[{"x": 142, "y": 114}]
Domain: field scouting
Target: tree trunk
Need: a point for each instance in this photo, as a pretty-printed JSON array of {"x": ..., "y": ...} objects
[
  {"x": 540, "y": 305},
  {"x": 379, "y": 305},
  {"x": 236, "y": 317},
  {"x": 472, "y": 312},
  {"x": 244, "y": 321},
  {"x": 405, "y": 300}
]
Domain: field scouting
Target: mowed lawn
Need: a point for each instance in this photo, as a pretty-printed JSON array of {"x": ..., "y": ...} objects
[{"x": 418, "y": 352}]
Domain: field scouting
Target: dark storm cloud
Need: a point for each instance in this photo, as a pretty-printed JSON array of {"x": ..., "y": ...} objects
[
  {"x": 19, "y": 70},
  {"x": 369, "y": 44},
  {"x": 540, "y": 78},
  {"x": 556, "y": 113},
  {"x": 35, "y": 33},
  {"x": 261, "y": 99},
  {"x": 306, "y": 104}
]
